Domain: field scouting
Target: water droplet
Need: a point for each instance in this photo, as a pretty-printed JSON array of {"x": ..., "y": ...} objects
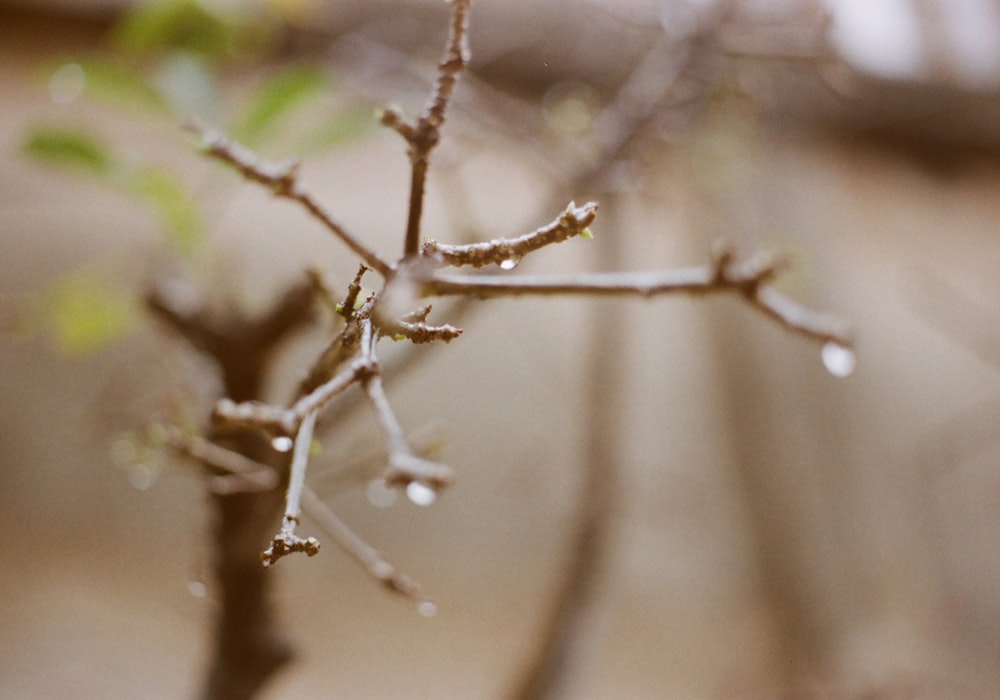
[
  {"x": 420, "y": 494},
  {"x": 282, "y": 443},
  {"x": 427, "y": 608},
  {"x": 197, "y": 589},
  {"x": 141, "y": 476},
  {"x": 838, "y": 360},
  {"x": 509, "y": 263},
  {"x": 67, "y": 83},
  {"x": 380, "y": 494}
]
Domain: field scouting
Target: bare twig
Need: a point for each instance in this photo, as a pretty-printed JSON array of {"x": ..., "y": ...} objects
[
  {"x": 423, "y": 136},
  {"x": 572, "y": 222},
  {"x": 283, "y": 182},
  {"x": 286, "y": 541},
  {"x": 256, "y": 474},
  {"x": 359, "y": 550},
  {"x": 749, "y": 279},
  {"x": 243, "y": 474},
  {"x": 419, "y": 332},
  {"x": 404, "y": 466},
  {"x": 287, "y": 421}
]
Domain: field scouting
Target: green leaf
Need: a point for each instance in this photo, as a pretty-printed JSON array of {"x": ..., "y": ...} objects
[
  {"x": 175, "y": 207},
  {"x": 277, "y": 98},
  {"x": 164, "y": 25},
  {"x": 122, "y": 86},
  {"x": 68, "y": 147},
  {"x": 84, "y": 314},
  {"x": 586, "y": 233}
]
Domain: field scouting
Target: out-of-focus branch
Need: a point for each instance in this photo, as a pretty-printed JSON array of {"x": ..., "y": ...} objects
[
  {"x": 248, "y": 471},
  {"x": 405, "y": 466},
  {"x": 249, "y": 645},
  {"x": 359, "y": 550},
  {"x": 242, "y": 474},
  {"x": 282, "y": 180}
]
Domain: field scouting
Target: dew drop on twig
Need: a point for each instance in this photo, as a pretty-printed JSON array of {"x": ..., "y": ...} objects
[
  {"x": 282, "y": 443},
  {"x": 420, "y": 494},
  {"x": 838, "y": 360},
  {"x": 380, "y": 494},
  {"x": 197, "y": 589},
  {"x": 509, "y": 263},
  {"x": 427, "y": 608}
]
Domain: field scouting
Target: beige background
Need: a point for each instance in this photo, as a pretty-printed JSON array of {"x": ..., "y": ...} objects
[{"x": 778, "y": 527}]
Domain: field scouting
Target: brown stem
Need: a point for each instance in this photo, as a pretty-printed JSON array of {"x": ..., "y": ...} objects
[
  {"x": 249, "y": 644},
  {"x": 571, "y": 622},
  {"x": 425, "y": 135},
  {"x": 416, "y": 209}
]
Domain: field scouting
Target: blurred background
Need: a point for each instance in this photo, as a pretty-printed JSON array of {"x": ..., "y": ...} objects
[{"x": 774, "y": 531}]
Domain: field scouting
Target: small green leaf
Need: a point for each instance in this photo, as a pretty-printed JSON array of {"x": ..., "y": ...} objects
[
  {"x": 122, "y": 86},
  {"x": 175, "y": 207},
  {"x": 586, "y": 233},
  {"x": 162, "y": 25},
  {"x": 84, "y": 314},
  {"x": 398, "y": 336},
  {"x": 277, "y": 98},
  {"x": 68, "y": 147}
]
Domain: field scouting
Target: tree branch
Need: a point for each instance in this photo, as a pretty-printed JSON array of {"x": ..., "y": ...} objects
[
  {"x": 572, "y": 222},
  {"x": 750, "y": 279},
  {"x": 243, "y": 474},
  {"x": 282, "y": 180},
  {"x": 425, "y": 135},
  {"x": 286, "y": 541},
  {"x": 359, "y": 550},
  {"x": 243, "y": 468}
]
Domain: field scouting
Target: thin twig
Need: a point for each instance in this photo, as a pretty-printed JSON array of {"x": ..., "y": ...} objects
[
  {"x": 256, "y": 473},
  {"x": 359, "y": 550},
  {"x": 243, "y": 473},
  {"x": 404, "y": 466},
  {"x": 365, "y": 462},
  {"x": 423, "y": 333},
  {"x": 287, "y": 421},
  {"x": 423, "y": 136},
  {"x": 286, "y": 541},
  {"x": 749, "y": 279},
  {"x": 283, "y": 182},
  {"x": 572, "y": 222}
]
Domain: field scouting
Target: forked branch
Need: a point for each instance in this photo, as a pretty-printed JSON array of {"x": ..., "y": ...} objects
[
  {"x": 749, "y": 278},
  {"x": 424, "y": 135},
  {"x": 238, "y": 470}
]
